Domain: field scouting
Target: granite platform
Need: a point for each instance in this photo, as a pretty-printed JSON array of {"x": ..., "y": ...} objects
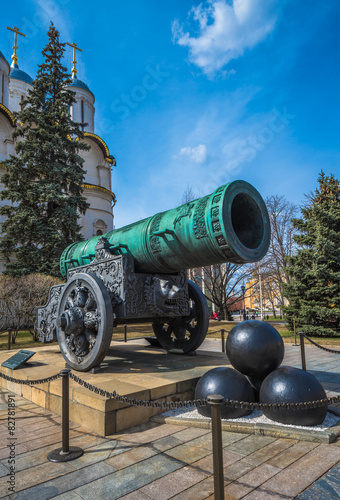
[{"x": 134, "y": 369}]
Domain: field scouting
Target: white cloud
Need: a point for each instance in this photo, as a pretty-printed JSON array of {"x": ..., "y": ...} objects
[
  {"x": 51, "y": 10},
  {"x": 226, "y": 30},
  {"x": 197, "y": 154}
]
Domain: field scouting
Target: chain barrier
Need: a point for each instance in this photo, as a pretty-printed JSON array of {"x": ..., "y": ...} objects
[
  {"x": 166, "y": 405},
  {"x": 30, "y": 382},
  {"x": 327, "y": 349},
  {"x": 171, "y": 405}
]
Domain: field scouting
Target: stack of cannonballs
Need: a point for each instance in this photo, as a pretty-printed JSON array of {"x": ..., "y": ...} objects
[{"x": 256, "y": 350}]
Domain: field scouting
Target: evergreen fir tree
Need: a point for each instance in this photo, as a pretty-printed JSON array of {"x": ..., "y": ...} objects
[
  {"x": 314, "y": 291},
  {"x": 43, "y": 182}
]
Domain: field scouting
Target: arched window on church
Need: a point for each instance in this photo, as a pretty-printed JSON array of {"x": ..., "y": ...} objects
[{"x": 99, "y": 227}]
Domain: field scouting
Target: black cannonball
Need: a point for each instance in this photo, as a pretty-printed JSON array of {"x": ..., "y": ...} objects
[
  {"x": 256, "y": 385},
  {"x": 292, "y": 385},
  {"x": 228, "y": 383},
  {"x": 254, "y": 348}
]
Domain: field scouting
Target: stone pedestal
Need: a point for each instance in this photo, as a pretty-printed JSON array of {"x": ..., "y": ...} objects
[{"x": 133, "y": 369}]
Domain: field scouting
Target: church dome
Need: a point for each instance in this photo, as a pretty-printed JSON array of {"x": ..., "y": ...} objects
[
  {"x": 80, "y": 85},
  {"x": 3, "y": 57},
  {"x": 18, "y": 74}
]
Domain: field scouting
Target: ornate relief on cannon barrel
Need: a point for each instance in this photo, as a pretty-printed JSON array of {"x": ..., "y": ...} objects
[
  {"x": 166, "y": 296},
  {"x": 133, "y": 294},
  {"x": 111, "y": 270}
]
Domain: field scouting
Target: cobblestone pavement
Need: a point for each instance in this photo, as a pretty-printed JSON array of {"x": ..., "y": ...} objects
[{"x": 162, "y": 461}]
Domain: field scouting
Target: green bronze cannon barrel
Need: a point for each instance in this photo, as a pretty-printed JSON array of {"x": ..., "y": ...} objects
[{"x": 230, "y": 225}]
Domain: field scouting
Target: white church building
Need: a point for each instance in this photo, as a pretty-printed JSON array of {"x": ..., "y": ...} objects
[{"x": 14, "y": 86}]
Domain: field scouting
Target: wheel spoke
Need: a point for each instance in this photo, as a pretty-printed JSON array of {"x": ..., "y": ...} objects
[{"x": 86, "y": 321}]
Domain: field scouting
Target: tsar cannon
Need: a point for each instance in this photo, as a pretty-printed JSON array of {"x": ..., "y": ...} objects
[{"x": 138, "y": 274}]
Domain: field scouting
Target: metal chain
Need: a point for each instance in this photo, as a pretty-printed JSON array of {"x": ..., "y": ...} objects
[
  {"x": 30, "y": 382},
  {"x": 170, "y": 405},
  {"x": 166, "y": 405},
  {"x": 334, "y": 351}
]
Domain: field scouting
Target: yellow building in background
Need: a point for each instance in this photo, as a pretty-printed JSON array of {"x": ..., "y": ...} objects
[{"x": 266, "y": 288}]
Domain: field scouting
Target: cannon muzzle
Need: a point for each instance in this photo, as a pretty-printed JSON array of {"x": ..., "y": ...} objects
[{"x": 230, "y": 225}]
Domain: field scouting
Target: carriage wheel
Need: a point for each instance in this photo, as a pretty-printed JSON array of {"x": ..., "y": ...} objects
[
  {"x": 185, "y": 333},
  {"x": 84, "y": 321}
]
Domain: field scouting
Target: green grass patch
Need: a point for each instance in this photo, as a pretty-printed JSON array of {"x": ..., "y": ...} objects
[{"x": 25, "y": 340}]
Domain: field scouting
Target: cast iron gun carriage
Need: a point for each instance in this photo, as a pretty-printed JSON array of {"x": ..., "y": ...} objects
[{"x": 137, "y": 273}]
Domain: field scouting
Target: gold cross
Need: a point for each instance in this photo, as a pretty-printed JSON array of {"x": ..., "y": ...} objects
[
  {"x": 15, "y": 47},
  {"x": 74, "y": 69}
]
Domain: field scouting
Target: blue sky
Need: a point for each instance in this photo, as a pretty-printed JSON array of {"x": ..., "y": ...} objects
[{"x": 200, "y": 94}]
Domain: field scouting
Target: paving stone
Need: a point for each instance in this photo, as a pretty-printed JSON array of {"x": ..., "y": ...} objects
[
  {"x": 46, "y": 440},
  {"x": 251, "y": 480},
  {"x": 200, "y": 491},
  {"x": 171, "y": 484},
  {"x": 129, "y": 479},
  {"x": 70, "y": 495},
  {"x": 237, "y": 470},
  {"x": 314, "y": 494},
  {"x": 3, "y": 470},
  {"x": 131, "y": 457},
  {"x": 98, "y": 453},
  {"x": 329, "y": 483},
  {"x": 4, "y": 452},
  {"x": 206, "y": 464},
  {"x": 262, "y": 494},
  {"x": 271, "y": 450},
  {"x": 187, "y": 453},
  {"x": 298, "y": 476},
  {"x": 66, "y": 483},
  {"x": 190, "y": 433},
  {"x": 292, "y": 454},
  {"x": 148, "y": 432},
  {"x": 250, "y": 444},
  {"x": 165, "y": 443},
  {"x": 22, "y": 436},
  {"x": 135, "y": 495},
  {"x": 227, "y": 439},
  {"x": 36, "y": 475}
]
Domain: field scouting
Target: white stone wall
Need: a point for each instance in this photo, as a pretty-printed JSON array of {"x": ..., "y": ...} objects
[
  {"x": 98, "y": 171},
  {"x": 88, "y": 100},
  {"x": 17, "y": 91},
  {"x": 6, "y": 148},
  {"x": 99, "y": 216},
  {"x": 4, "y": 78}
]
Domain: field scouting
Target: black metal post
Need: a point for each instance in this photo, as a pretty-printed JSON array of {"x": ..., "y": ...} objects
[
  {"x": 66, "y": 452},
  {"x": 125, "y": 333},
  {"x": 9, "y": 340},
  {"x": 294, "y": 325},
  {"x": 65, "y": 411},
  {"x": 215, "y": 401},
  {"x": 222, "y": 339},
  {"x": 303, "y": 354}
]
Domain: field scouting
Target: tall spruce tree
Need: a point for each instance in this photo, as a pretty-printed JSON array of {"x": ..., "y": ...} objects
[
  {"x": 314, "y": 290},
  {"x": 43, "y": 182}
]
